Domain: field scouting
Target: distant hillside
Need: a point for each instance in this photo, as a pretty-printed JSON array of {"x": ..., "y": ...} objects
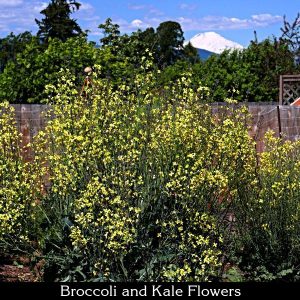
[{"x": 204, "y": 54}]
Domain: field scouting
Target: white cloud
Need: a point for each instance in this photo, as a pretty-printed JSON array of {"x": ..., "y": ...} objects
[
  {"x": 96, "y": 32},
  {"x": 266, "y": 19},
  {"x": 155, "y": 12},
  {"x": 129, "y": 26},
  {"x": 40, "y": 6},
  {"x": 185, "y": 6},
  {"x": 137, "y": 7},
  {"x": 19, "y": 15},
  {"x": 10, "y": 3},
  {"x": 207, "y": 23},
  {"x": 6, "y": 16},
  {"x": 86, "y": 7},
  {"x": 151, "y": 10},
  {"x": 137, "y": 23},
  {"x": 3, "y": 28},
  {"x": 220, "y": 22},
  {"x": 86, "y": 13}
]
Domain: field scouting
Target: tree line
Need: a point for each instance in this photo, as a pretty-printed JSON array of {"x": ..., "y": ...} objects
[{"x": 29, "y": 62}]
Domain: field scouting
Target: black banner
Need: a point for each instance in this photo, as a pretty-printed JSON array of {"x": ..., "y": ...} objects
[{"x": 202, "y": 290}]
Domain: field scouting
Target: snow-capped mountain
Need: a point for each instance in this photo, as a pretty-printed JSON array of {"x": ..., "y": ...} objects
[{"x": 213, "y": 42}]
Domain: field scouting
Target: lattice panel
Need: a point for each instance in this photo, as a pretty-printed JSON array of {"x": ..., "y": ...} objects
[{"x": 289, "y": 89}]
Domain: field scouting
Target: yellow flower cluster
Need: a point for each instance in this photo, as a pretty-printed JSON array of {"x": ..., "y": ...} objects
[
  {"x": 112, "y": 155},
  {"x": 17, "y": 191},
  {"x": 198, "y": 245},
  {"x": 279, "y": 176},
  {"x": 104, "y": 224}
]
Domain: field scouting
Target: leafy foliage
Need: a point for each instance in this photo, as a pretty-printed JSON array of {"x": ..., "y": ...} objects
[
  {"x": 11, "y": 45},
  {"x": 24, "y": 79},
  {"x": 57, "y": 22},
  {"x": 111, "y": 33},
  {"x": 248, "y": 75},
  {"x": 166, "y": 43}
]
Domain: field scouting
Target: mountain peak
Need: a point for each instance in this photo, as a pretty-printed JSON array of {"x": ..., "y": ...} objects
[{"x": 213, "y": 42}]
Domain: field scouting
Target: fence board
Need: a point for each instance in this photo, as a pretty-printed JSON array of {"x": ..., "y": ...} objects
[{"x": 30, "y": 120}]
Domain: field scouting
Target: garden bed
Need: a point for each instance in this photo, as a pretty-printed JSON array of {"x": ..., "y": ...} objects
[{"x": 16, "y": 269}]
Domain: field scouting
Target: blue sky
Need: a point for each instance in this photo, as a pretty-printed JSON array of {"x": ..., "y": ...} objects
[{"x": 234, "y": 19}]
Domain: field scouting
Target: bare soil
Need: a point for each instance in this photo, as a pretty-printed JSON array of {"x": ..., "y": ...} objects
[{"x": 16, "y": 269}]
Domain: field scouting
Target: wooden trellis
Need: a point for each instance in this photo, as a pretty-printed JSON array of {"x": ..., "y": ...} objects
[{"x": 289, "y": 89}]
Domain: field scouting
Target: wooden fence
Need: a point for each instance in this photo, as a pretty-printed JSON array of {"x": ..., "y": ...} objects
[
  {"x": 284, "y": 120},
  {"x": 30, "y": 121}
]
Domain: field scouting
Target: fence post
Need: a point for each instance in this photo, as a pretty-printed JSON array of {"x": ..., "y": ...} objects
[
  {"x": 280, "y": 90},
  {"x": 279, "y": 121}
]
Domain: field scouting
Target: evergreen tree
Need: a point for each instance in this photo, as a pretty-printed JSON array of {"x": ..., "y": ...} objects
[
  {"x": 170, "y": 43},
  {"x": 191, "y": 54},
  {"x": 291, "y": 36},
  {"x": 57, "y": 22}
]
